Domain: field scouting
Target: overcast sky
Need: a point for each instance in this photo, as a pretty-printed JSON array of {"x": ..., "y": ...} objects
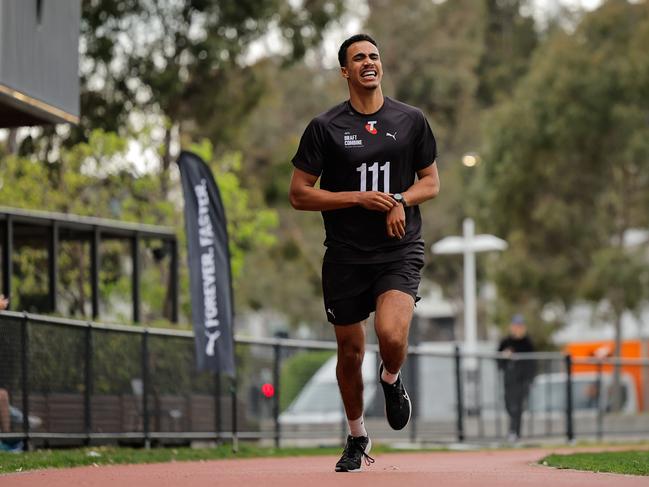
[
  {"x": 589, "y": 4},
  {"x": 551, "y": 5}
]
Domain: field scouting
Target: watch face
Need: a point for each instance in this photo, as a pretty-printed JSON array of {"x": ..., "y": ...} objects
[{"x": 398, "y": 197}]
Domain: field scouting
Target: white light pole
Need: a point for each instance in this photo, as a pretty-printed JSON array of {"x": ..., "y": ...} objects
[{"x": 469, "y": 244}]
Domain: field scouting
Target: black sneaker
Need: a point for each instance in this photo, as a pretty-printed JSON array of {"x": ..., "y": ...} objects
[
  {"x": 397, "y": 402},
  {"x": 356, "y": 449}
]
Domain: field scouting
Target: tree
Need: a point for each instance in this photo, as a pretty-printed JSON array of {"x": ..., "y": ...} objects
[
  {"x": 104, "y": 183},
  {"x": 185, "y": 60},
  {"x": 619, "y": 278},
  {"x": 509, "y": 40},
  {"x": 287, "y": 276},
  {"x": 566, "y": 158},
  {"x": 454, "y": 60},
  {"x": 74, "y": 184},
  {"x": 185, "y": 66},
  {"x": 431, "y": 54}
]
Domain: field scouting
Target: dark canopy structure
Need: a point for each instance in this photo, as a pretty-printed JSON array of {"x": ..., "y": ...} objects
[{"x": 30, "y": 227}]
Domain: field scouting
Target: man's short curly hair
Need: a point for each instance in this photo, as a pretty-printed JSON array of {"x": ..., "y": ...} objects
[{"x": 342, "y": 52}]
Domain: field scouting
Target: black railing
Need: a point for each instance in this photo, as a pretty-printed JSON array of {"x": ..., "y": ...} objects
[{"x": 78, "y": 382}]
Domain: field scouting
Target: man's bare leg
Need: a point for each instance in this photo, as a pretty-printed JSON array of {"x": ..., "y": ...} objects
[
  {"x": 351, "y": 349},
  {"x": 392, "y": 322}
]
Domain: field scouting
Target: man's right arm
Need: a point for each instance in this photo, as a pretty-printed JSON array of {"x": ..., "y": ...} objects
[{"x": 303, "y": 195}]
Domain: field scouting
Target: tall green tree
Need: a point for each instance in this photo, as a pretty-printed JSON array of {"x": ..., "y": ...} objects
[
  {"x": 454, "y": 60},
  {"x": 509, "y": 38},
  {"x": 185, "y": 64},
  {"x": 567, "y": 161},
  {"x": 187, "y": 67},
  {"x": 186, "y": 60},
  {"x": 293, "y": 96},
  {"x": 432, "y": 54},
  {"x": 95, "y": 178},
  {"x": 619, "y": 278}
]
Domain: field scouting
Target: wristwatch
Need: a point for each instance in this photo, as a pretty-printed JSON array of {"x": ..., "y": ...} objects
[{"x": 398, "y": 197}]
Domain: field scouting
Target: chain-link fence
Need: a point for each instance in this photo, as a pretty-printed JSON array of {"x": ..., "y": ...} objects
[{"x": 73, "y": 382}]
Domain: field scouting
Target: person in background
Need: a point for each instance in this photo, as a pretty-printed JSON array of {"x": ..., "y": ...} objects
[
  {"x": 5, "y": 410},
  {"x": 518, "y": 372},
  {"x": 5, "y": 416}
]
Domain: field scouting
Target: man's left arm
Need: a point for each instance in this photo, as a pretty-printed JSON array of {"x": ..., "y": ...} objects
[{"x": 425, "y": 188}]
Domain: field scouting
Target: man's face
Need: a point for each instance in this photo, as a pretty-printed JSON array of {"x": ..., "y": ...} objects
[
  {"x": 363, "y": 68},
  {"x": 517, "y": 330}
]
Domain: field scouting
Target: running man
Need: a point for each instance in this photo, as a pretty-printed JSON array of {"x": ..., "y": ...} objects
[{"x": 366, "y": 152}]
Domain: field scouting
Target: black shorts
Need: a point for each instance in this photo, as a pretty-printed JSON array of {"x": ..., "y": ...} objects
[{"x": 350, "y": 290}]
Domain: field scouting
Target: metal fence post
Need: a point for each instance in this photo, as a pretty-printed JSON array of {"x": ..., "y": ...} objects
[
  {"x": 526, "y": 403},
  {"x": 548, "y": 400},
  {"x": 479, "y": 405},
  {"x": 413, "y": 362},
  {"x": 600, "y": 395},
  {"x": 217, "y": 407},
  {"x": 95, "y": 264},
  {"x": 570, "y": 434},
  {"x": 499, "y": 401},
  {"x": 412, "y": 372},
  {"x": 53, "y": 265},
  {"x": 145, "y": 388},
  {"x": 459, "y": 395},
  {"x": 87, "y": 393},
  {"x": 7, "y": 258},
  {"x": 24, "y": 355},
  {"x": 277, "y": 351},
  {"x": 233, "y": 392},
  {"x": 174, "y": 282},
  {"x": 135, "y": 276}
]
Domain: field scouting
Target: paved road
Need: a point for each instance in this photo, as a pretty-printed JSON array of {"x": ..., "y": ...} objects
[{"x": 515, "y": 468}]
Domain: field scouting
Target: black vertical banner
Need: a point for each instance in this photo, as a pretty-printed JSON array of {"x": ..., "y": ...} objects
[{"x": 209, "y": 266}]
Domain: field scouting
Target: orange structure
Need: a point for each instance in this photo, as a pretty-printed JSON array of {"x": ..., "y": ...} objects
[{"x": 605, "y": 349}]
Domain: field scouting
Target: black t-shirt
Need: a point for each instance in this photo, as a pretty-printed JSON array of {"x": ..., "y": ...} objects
[
  {"x": 522, "y": 370},
  {"x": 383, "y": 151}
]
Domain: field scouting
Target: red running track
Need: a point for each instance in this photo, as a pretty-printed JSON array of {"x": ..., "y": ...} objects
[{"x": 515, "y": 468}]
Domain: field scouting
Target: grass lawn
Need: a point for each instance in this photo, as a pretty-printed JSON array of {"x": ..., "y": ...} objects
[
  {"x": 104, "y": 455},
  {"x": 634, "y": 462}
]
